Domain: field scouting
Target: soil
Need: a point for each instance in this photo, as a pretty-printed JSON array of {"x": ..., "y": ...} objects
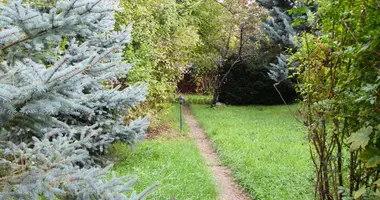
[
  {"x": 156, "y": 132},
  {"x": 229, "y": 189}
]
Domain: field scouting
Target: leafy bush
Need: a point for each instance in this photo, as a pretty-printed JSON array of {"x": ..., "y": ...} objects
[
  {"x": 162, "y": 46},
  {"x": 340, "y": 84},
  {"x": 246, "y": 85}
]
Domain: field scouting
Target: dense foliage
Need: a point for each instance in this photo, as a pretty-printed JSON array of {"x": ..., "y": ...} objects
[
  {"x": 66, "y": 93},
  {"x": 213, "y": 22},
  {"x": 339, "y": 79},
  {"x": 256, "y": 72},
  {"x": 169, "y": 37},
  {"x": 162, "y": 46},
  {"x": 56, "y": 116},
  {"x": 242, "y": 22},
  {"x": 247, "y": 85}
]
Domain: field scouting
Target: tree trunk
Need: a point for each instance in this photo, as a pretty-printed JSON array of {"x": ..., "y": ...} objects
[{"x": 217, "y": 83}]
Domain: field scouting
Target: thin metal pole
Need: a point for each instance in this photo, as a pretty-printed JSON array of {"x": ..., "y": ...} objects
[
  {"x": 180, "y": 116},
  {"x": 180, "y": 112}
]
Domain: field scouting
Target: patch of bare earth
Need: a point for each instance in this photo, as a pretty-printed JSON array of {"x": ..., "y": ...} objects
[
  {"x": 229, "y": 189},
  {"x": 163, "y": 132},
  {"x": 156, "y": 132}
]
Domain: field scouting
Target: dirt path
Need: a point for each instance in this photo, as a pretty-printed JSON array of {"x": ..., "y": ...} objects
[{"x": 229, "y": 189}]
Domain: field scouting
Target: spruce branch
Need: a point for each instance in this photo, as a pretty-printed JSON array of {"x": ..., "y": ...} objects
[
  {"x": 78, "y": 72},
  {"x": 104, "y": 69},
  {"x": 29, "y": 37},
  {"x": 53, "y": 28},
  {"x": 7, "y": 35},
  {"x": 17, "y": 42},
  {"x": 66, "y": 74},
  {"x": 34, "y": 69},
  {"x": 57, "y": 68},
  {"x": 92, "y": 6},
  {"x": 70, "y": 8},
  {"x": 103, "y": 56}
]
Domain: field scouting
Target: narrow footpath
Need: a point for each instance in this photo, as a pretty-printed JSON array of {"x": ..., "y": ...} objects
[{"x": 229, "y": 189}]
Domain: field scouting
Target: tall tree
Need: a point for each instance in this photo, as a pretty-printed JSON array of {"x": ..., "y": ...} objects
[
  {"x": 282, "y": 24},
  {"x": 56, "y": 116},
  {"x": 242, "y": 22},
  {"x": 162, "y": 46}
]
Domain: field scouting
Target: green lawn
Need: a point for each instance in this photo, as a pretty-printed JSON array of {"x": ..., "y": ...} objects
[
  {"x": 264, "y": 146},
  {"x": 198, "y": 99},
  {"x": 173, "y": 160},
  {"x": 173, "y": 119}
]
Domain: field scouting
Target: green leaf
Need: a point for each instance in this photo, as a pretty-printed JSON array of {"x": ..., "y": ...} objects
[
  {"x": 377, "y": 183},
  {"x": 360, "y": 138},
  {"x": 369, "y": 153},
  {"x": 365, "y": 46},
  {"x": 369, "y": 87},
  {"x": 373, "y": 162},
  {"x": 360, "y": 192},
  {"x": 325, "y": 39}
]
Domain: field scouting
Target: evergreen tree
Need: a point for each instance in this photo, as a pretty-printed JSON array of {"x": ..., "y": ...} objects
[
  {"x": 279, "y": 27},
  {"x": 280, "y": 71},
  {"x": 278, "y": 24},
  {"x": 57, "y": 114}
]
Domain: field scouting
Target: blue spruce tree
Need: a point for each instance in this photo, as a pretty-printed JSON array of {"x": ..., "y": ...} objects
[
  {"x": 57, "y": 114},
  {"x": 278, "y": 26},
  {"x": 278, "y": 23}
]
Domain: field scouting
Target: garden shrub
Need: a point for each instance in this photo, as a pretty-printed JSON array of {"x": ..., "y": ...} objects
[
  {"x": 339, "y": 81},
  {"x": 247, "y": 84}
]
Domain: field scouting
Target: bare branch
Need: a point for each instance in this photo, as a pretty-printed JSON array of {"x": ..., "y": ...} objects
[{"x": 227, "y": 7}]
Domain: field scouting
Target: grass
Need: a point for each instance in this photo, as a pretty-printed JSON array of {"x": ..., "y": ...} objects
[
  {"x": 173, "y": 119},
  {"x": 198, "y": 99},
  {"x": 170, "y": 158},
  {"x": 265, "y": 147},
  {"x": 176, "y": 165}
]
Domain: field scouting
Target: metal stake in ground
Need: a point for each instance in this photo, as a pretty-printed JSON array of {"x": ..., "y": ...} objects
[{"x": 181, "y": 100}]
